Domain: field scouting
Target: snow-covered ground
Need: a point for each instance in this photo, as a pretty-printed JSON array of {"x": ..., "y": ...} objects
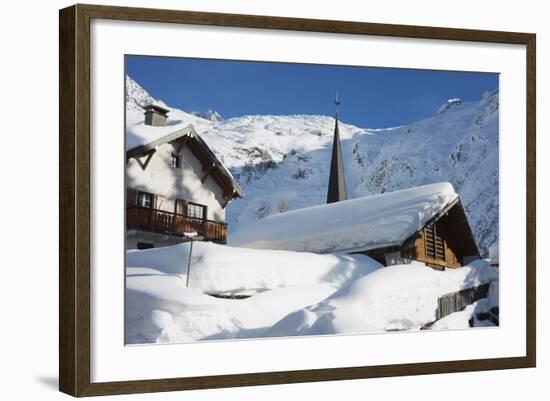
[
  {"x": 292, "y": 294},
  {"x": 282, "y": 164},
  {"x": 225, "y": 270},
  {"x": 400, "y": 297}
]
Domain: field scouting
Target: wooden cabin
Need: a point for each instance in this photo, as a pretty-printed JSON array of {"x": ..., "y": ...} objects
[
  {"x": 425, "y": 224},
  {"x": 445, "y": 241},
  {"x": 177, "y": 189}
]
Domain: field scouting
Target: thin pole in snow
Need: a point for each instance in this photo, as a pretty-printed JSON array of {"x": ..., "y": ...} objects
[{"x": 189, "y": 264}]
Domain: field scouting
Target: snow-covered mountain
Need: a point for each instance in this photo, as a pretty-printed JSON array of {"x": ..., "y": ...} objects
[
  {"x": 211, "y": 115},
  {"x": 282, "y": 162},
  {"x": 136, "y": 97}
]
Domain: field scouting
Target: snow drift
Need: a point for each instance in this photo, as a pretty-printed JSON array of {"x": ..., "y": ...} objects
[
  {"x": 162, "y": 309},
  {"x": 400, "y": 297},
  {"x": 225, "y": 270},
  {"x": 292, "y": 294}
]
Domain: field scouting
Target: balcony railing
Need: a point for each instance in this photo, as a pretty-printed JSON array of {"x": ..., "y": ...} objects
[{"x": 164, "y": 222}]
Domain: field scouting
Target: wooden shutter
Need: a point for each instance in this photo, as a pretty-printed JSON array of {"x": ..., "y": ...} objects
[
  {"x": 435, "y": 244},
  {"x": 131, "y": 197},
  {"x": 158, "y": 202},
  {"x": 181, "y": 207}
]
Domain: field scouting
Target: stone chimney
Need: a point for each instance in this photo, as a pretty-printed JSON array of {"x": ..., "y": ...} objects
[{"x": 155, "y": 115}]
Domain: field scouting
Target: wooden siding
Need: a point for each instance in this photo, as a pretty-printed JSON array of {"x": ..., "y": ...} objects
[
  {"x": 164, "y": 222},
  {"x": 444, "y": 242},
  {"x": 420, "y": 249},
  {"x": 457, "y": 301}
]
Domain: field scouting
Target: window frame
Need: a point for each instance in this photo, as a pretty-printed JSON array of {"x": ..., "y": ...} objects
[
  {"x": 185, "y": 209},
  {"x": 175, "y": 161},
  {"x": 141, "y": 196},
  {"x": 204, "y": 209}
]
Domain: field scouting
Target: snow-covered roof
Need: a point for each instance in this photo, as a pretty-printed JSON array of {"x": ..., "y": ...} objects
[
  {"x": 190, "y": 132},
  {"x": 156, "y": 107},
  {"x": 354, "y": 225},
  {"x": 139, "y": 133}
]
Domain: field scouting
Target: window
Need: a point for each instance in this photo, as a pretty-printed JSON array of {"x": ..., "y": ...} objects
[
  {"x": 145, "y": 199},
  {"x": 195, "y": 210},
  {"x": 174, "y": 161},
  {"x": 190, "y": 209},
  {"x": 144, "y": 245}
]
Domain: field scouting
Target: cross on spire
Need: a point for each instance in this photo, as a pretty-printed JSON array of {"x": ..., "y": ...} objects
[{"x": 337, "y": 103}]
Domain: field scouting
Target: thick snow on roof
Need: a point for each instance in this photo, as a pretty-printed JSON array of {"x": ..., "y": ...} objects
[
  {"x": 358, "y": 224},
  {"x": 138, "y": 133}
]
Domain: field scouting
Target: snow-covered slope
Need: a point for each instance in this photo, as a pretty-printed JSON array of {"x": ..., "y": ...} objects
[{"x": 282, "y": 162}]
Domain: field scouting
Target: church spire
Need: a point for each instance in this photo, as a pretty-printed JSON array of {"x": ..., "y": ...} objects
[{"x": 336, "y": 183}]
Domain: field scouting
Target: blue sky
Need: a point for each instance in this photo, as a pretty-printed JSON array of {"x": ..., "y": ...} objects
[{"x": 371, "y": 97}]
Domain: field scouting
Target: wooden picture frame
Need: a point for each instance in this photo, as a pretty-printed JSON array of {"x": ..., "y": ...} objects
[{"x": 75, "y": 207}]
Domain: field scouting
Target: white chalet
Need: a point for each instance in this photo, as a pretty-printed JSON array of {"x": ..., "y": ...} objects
[{"x": 177, "y": 189}]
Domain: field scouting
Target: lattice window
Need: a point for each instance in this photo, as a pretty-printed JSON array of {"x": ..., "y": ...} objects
[
  {"x": 145, "y": 199},
  {"x": 195, "y": 210},
  {"x": 435, "y": 244}
]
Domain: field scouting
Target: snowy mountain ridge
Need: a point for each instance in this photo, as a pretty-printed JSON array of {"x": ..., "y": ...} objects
[
  {"x": 282, "y": 162},
  {"x": 211, "y": 115}
]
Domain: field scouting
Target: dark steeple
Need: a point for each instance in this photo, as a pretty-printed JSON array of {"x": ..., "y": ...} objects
[{"x": 336, "y": 183}]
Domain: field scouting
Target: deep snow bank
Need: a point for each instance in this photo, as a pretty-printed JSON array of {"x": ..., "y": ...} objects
[
  {"x": 161, "y": 309},
  {"x": 220, "y": 269},
  {"x": 400, "y": 297},
  {"x": 302, "y": 294}
]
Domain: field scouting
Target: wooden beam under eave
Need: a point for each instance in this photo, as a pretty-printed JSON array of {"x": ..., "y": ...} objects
[
  {"x": 149, "y": 157},
  {"x": 227, "y": 198},
  {"x": 181, "y": 143},
  {"x": 207, "y": 172}
]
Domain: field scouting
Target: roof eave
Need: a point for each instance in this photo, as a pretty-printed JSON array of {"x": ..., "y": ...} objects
[
  {"x": 402, "y": 243},
  {"x": 142, "y": 149},
  {"x": 223, "y": 170},
  {"x": 439, "y": 215}
]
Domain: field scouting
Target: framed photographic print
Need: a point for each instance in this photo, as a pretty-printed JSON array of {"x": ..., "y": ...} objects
[{"x": 250, "y": 200}]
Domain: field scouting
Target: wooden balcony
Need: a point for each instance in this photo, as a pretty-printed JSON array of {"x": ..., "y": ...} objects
[{"x": 164, "y": 222}]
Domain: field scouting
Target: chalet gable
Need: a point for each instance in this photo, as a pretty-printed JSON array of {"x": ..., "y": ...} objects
[
  {"x": 446, "y": 240},
  {"x": 211, "y": 165}
]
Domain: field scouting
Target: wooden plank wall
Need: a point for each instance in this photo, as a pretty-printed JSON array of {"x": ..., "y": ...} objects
[
  {"x": 417, "y": 251},
  {"x": 456, "y": 301}
]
